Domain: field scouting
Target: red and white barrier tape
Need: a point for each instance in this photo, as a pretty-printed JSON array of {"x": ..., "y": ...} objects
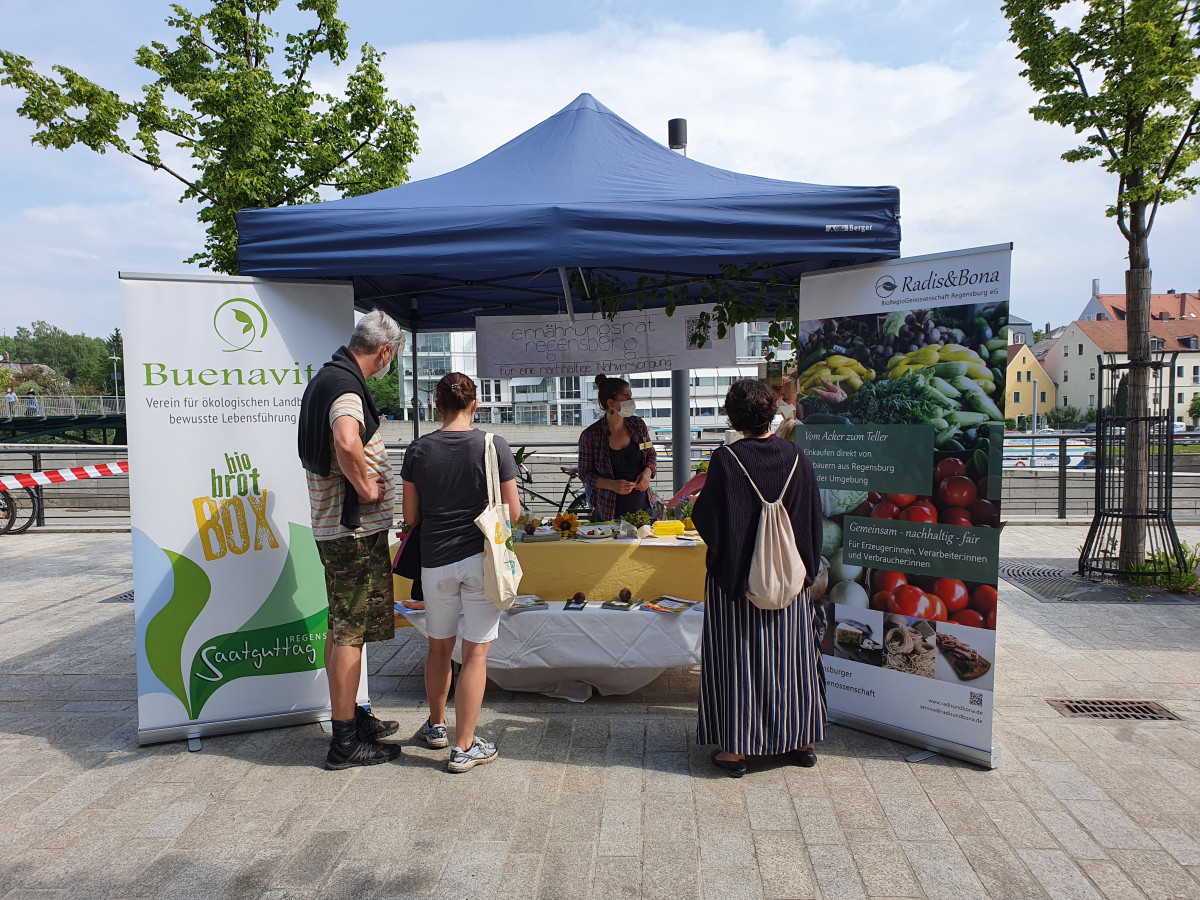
[{"x": 58, "y": 476}]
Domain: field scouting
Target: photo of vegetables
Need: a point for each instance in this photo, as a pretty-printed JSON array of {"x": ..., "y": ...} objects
[{"x": 943, "y": 368}]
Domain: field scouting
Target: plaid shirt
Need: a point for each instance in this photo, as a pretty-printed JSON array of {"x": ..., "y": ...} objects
[{"x": 595, "y": 462}]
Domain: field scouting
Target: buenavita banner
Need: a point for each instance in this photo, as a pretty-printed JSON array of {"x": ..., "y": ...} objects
[
  {"x": 229, "y": 598},
  {"x": 908, "y": 457},
  {"x": 634, "y": 341}
]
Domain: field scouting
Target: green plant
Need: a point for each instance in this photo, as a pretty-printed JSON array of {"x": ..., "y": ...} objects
[
  {"x": 701, "y": 467},
  {"x": 1161, "y": 569},
  {"x": 637, "y": 518},
  {"x": 684, "y": 509}
]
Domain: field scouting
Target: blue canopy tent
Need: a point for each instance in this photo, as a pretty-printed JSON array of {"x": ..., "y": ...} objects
[{"x": 582, "y": 190}]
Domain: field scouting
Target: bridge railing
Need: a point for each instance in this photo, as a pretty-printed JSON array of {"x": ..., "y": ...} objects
[{"x": 62, "y": 406}]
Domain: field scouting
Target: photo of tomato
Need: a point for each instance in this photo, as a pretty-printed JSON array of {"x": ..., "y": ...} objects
[
  {"x": 956, "y": 490},
  {"x": 885, "y": 509},
  {"x": 955, "y": 515},
  {"x": 968, "y": 617},
  {"x": 985, "y": 512},
  {"x": 947, "y": 467},
  {"x": 983, "y": 600},
  {"x": 910, "y": 600},
  {"x": 918, "y": 512},
  {"x": 902, "y": 500},
  {"x": 887, "y": 581},
  {"x": 952, "y": 592}
]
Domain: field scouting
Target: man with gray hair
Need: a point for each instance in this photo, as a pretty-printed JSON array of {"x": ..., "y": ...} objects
[{"x": 351, "y": 493}]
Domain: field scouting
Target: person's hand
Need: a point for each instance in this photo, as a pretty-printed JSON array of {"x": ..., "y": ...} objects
[
  {"x": 625, "y": 487},
  {"x": 833, "y": 394},
  {"x": 379, "y": 490},
  {"x": 643, "y": 482}
]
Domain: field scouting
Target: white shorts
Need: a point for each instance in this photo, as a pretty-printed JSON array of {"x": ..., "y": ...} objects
[{"x": 454, "y": 588}]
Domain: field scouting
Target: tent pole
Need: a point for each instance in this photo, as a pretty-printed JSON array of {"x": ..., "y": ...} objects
[
  {"x": 681, "y": 428},
  {"x": 416, "y": 398}
]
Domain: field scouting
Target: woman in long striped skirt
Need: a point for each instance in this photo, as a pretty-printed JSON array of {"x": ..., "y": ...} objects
[{"x": 762, "y": 688}]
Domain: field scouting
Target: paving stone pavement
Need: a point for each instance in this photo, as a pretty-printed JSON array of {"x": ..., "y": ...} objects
[{"x": 611, "y": 798}]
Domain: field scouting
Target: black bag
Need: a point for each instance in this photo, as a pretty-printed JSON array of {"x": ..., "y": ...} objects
[{"x": 408, "y": 561}]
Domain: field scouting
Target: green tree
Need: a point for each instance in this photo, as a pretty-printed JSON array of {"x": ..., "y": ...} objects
[
  {"x": 1038, "y": 335},
  {"x": 1120, "y": 407},
  {"x": 1064, "y": 417},
  {"x": 386, "y": 392},
  {"x": 74, "y": 357},
  {"x": 1125, "y": 78},
  {"x": 1194, "y": 409},
  {"x": 253, "y": 140}
]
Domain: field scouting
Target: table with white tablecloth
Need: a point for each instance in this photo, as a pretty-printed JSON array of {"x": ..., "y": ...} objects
[{"x": 568, "y": 653}]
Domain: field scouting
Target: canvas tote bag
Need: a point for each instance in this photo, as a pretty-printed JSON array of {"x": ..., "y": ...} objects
[
  {"x": 501, "y": 568},
  {"x": 777, "y": 572}
]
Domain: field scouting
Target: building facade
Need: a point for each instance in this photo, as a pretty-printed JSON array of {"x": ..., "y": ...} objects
[
  {"x": 572, "y": 400},
  {"x": 1075, "y": 359},
  {"x": 1028, "y": 386}
]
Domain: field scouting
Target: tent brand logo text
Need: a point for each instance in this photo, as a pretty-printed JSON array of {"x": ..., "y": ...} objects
[
  {"x": 239, "y": 322},
  {"x": 829, "y": 228},
  {"x": 961, "y": 278}
]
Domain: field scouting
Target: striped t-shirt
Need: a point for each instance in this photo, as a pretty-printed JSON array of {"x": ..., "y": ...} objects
[{"x": 326, "y": 492}]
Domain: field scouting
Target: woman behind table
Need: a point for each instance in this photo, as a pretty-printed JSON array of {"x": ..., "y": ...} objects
[
  {"x": 762, "y": 689},
  {"x": 616, "y": 458},
  {"x": 445, "y": 488}
]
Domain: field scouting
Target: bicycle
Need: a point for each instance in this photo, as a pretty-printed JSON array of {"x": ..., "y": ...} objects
[
  {"x": 578, "y": 504},
  {"x": 18, "y": 510}
]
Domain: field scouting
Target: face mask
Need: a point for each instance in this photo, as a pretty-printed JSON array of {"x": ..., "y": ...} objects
[
  {"x": 786, "y": 410},
  {"x": 383, "y": 370},
  {"x": 628, "y": 408}
]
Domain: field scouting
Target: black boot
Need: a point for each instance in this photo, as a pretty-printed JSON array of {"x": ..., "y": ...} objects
[
  {"x": 347, "y": 750},
  {"x": 370, "y": 728}
]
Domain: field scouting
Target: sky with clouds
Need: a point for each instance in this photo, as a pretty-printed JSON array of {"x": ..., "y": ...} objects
[{"x": 921, "y": 94}]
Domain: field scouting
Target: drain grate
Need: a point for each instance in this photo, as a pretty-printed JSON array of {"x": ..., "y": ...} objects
[
  {"x": 126, "y": 597},
  {"x": 1020, "y": 572},
  {"x": 1113, "y": 709}
]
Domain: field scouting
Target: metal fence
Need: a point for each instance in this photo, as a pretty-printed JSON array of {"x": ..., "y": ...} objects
[
  {"x": 1044, "y": 492},
  {"x": 52, "y": 405}
]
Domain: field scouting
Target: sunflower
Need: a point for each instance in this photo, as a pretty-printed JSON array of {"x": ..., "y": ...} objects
[{"x": 566, "y": 524}]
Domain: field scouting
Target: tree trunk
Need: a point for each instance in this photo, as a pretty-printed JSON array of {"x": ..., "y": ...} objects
[{"x": 1137, "y": 426}]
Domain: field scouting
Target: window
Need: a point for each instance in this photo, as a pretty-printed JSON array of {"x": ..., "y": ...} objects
[
  {"x": 1066, "y": 376},
  {"x": 642, "y": 413},
  {"x": 1191, "y": 342},
  {"x": 1157, "y": 343},
  {"x": 1180, "y": 400},
  {"x": 639, "y": 382},
  {"x": 1018, "y": 338},
  {"x": 660, "y": 414},
  {"x": 506, "y": 415},
  {"x": 568, "y": 389},
  {"x": 1016, "y": 396},
  {"x": 1092, "y": 374},
  {"x": 1066, "y": 350},
  {"x": 704, "y": 381},
  {"x": 1091, "y": 401},
  {"x": 1080, "y": 352},
  {"x": 571, "y": 414},
  {"x": 1043, "y": 400},
  {"x": 1019, "y": 374},
  {"x": 661, "y": 382},
  {"x": 489, "y": 390},
  {"x": 1195, "y": 374},
  {"x": 1179, "y": 372},
  {"x": 1064, "y": 399}
]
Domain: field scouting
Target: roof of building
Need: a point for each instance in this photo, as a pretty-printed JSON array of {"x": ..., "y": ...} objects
[
  {"x": 1017, "y": 320},
  {"x": 1110, "y": 336},
  {"x": 1013, "y": 350},
  {"x": 1178, "y": 306}
]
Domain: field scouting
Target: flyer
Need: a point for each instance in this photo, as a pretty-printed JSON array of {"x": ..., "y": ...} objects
[{"x": 901, "y": 369}]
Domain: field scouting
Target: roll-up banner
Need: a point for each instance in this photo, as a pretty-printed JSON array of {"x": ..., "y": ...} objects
[
  {"x": 901, "y": 369},
  {"x": 229, "y": 592}
]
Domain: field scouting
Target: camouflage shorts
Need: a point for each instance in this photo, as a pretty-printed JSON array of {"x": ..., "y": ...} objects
[{"x": 358, "y": 580}]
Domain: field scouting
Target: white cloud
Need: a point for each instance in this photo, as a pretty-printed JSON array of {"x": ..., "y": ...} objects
[{"x": 972, "y": 166}]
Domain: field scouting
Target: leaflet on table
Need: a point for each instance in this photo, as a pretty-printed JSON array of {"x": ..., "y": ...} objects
[{"x": 903, "y": 422}]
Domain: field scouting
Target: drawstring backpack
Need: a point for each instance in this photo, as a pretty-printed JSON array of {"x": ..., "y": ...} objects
[{"x": 777, "y": 572}]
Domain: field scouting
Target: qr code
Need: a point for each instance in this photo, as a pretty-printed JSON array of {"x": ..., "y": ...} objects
[
  {"x": 976, "y": 698},
  {"x": 695, "y": 333}
]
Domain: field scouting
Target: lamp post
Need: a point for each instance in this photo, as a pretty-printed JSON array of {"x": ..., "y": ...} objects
[
  {"x": 1033, "y": 432},
  {"x": 116, "y": 387}
]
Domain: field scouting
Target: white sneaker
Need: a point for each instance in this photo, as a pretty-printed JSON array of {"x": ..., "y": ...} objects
[
  {"x": 480, "y": 752},
  {"x": 434, "y": 735}
]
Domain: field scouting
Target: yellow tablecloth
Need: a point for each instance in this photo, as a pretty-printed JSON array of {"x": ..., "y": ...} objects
[{"x": 556, "y": 570}]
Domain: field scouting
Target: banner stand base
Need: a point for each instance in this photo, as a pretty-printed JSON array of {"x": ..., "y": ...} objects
[
  {"x": 193, "y": 732},
  {"x": 989, "y": 759}
]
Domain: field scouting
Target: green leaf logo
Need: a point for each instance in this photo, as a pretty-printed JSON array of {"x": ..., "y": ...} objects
[
  {"x": 168, "y": 629},
  {"x": 239, "y": 322},
  {"x": 884, "y": 286}
]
